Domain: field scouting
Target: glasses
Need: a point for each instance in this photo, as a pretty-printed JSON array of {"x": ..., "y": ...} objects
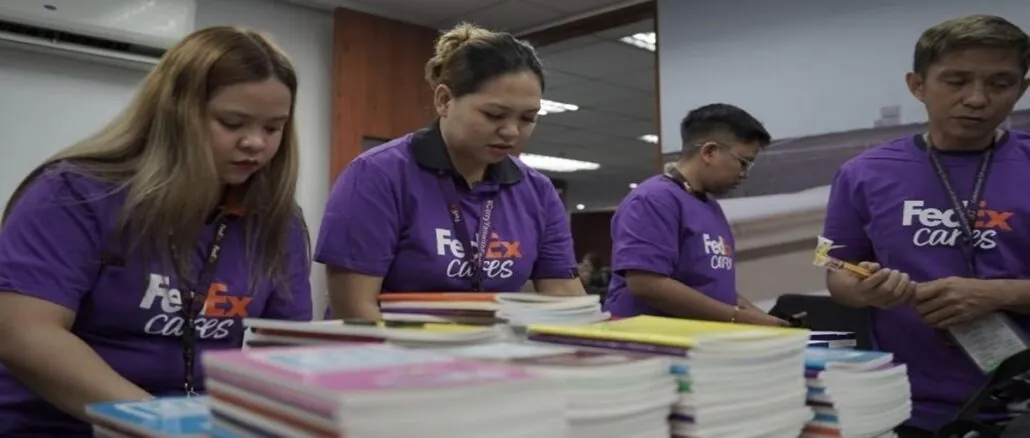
[{"x": 745, "y": 164}]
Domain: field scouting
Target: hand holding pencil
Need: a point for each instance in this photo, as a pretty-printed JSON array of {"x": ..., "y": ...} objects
[{"x": 879, "y": 287}]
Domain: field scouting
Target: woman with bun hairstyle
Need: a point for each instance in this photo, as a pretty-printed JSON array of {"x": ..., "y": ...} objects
[
  {"x": 126, "y": 256},
  {"x": 447, "y": 208}
]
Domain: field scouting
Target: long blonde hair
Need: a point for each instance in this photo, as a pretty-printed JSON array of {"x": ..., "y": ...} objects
[{"x": 156, "y": 150}]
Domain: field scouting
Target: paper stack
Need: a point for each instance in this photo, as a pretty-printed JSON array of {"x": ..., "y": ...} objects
[
  {"x": 736, "y": 380},
  {"x": 609, "y": 394},
  {"x": 521, "y": 309},
  {"x": 855, "y": 393},
  {"x": 457, "y": 307},
  {"x": 270, "y": 332},
  {"x": 177, "y": 417},
  {"x": 377, "y": 390},
  {"x": 514, "y": 308}
]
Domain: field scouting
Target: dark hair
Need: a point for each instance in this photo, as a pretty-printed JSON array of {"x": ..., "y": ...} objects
[
  {"x": 468, "y": 56},
  {"x": 974, "y": 31},
  {"x": 721, "y": 118}
]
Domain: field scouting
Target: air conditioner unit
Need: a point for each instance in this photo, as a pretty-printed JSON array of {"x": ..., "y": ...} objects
[{"x": 130, "y": 33}]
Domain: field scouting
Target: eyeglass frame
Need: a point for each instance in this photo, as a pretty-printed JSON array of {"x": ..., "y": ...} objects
[{"x": 745, "y": 164}]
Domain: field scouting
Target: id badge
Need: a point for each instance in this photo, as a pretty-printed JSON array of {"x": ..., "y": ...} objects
[{"x": 990, "y": 340}]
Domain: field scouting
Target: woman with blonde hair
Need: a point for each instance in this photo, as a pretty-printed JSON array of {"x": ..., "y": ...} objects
[{"x": 125, "y": 256}]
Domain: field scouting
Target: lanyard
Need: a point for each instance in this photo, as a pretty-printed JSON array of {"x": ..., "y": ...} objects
[
  {"x": 966, "y": 214},
  {"x": 674, "y": 174},
  {"x": 472, "y": 256},
  {"x": 190, "y": 311}
]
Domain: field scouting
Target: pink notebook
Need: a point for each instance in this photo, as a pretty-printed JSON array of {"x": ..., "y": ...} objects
[{"x": 356, "y": 367}]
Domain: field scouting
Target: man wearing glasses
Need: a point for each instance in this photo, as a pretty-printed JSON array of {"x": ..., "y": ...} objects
[{"x": 672, "y": 246}]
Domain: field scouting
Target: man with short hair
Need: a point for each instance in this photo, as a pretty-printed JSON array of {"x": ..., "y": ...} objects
[
  {"x": 940, "y": 218},
  {"x": 672, "y": 246}
]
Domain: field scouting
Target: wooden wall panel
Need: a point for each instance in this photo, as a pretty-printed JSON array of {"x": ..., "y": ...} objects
[
  {"x": 592, "y": 232},
  {"x": 379, "y": 90}
]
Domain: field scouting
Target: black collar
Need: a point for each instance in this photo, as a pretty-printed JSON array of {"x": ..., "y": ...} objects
[{"x": 430, "y": 151}]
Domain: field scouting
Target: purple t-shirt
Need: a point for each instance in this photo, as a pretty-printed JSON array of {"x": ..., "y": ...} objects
[
  {"x": 388, "y": 216},
  {"x": 888, "y": 205},
  {"x": 57, "y": 245},
  {"x": 662, "y": 228}
]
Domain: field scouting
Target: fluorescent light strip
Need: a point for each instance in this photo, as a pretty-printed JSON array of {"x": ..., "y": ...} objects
[
  {"x": 556, "y": 164},
  {"x": 645, "y": 40},
  {"x": 552, "y": 107},
  {"x": 650, "y": 138}
]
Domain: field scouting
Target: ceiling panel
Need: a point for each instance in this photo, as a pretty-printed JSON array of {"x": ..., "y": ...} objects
[
  {"x": 508, "y": 15},
  {"x": 557, "y": 78},
  {"x": 580, "y": 151},
  {"x": 561, "y": 134},
  {"x": 579, "y": 6},
  {"x": 601, "y": 59},
  {"x": 563, "y": 46},
  {"x": 587, "y": 93},
  {"x": 585, "y": 118},
  {"x": 630, "y": 130},
  {"x": 621, "y": 31},
  {"x": 643, "y": 79},
  {"x": 424, "y": 12},
  {"x": 638, "y": 108}
]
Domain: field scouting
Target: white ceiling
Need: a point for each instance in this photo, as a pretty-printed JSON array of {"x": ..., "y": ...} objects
[{"x": 612, "y": 83}]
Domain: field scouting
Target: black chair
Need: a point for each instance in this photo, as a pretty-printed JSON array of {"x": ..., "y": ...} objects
[{"x": 824, "y": 314}]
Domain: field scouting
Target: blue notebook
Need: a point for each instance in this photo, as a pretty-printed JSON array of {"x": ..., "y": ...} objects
[
  {"x": 830, "y": 358},
  {"x": 178, "y": 417}
]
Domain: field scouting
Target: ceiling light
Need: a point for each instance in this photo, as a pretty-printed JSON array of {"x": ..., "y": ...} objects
[
  {"x": 556, "y": 164},
  {"x": 650, "y": 138},
  {"x": 552, "y": 107},
  {"x": 580, "y": 207},
  {"x": 644, "y": 40},
  {"x": 632, "y": 185}
]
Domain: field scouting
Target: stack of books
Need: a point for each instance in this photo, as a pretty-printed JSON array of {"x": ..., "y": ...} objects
[
  {"x": 522, "y": 309},
  {"x": 172, "y": 417},
  {"x": 609, "y": 394},
  {"x": 273, "y": 333},
  {"x": 735, "y": 380},
  {"x": 377, "y": 390},
  {"x": 855, "y": 393},
  {"x": 513, "y": 308},
  {"x": 473, "y": 308}
]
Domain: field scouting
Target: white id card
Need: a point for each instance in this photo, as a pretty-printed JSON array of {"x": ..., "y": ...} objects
[{"x": 989, "y": 340}]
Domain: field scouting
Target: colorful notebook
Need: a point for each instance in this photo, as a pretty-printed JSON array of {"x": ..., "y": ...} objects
[
  {"x": 161, "y": 417},
  {"x": 672, "y": 332},
  {"x": 358, "y": 367}
]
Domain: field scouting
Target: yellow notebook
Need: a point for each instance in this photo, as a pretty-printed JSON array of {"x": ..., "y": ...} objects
[{"x": 673, "y": 332}]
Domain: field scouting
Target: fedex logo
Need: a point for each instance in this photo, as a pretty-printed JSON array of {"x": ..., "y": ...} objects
[
  {"x": 216, "y": 317},
  {"x": 720, "y": 250},
  {"x": 498, "y": 257},
  {"x": 447, "y": 245},
  {"x": 942, "y": 227}
]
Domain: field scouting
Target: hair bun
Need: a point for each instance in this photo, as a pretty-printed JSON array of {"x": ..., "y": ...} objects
[
  {"x": 453, "y": 39},
  {"x": 448, "y": 44}
]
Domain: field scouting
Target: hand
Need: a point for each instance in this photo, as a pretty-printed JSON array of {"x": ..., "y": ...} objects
[
  {"x": 757, "y": 317},
  {"x": 952, "y": 301},
  {"x": 886, "y": 288}
]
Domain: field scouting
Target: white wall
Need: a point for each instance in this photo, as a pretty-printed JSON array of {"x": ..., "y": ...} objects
[
  {"x": 801, "y": 66},
  {"x": 47, "y": 102},
  {"x": 767, "y": 278}
]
